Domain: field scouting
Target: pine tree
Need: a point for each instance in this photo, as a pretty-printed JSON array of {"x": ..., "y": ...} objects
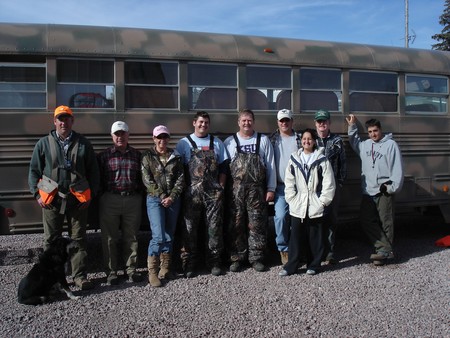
[{"x": 444, "y": 36}]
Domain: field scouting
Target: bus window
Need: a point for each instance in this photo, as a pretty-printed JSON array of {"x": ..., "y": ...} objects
[
  {"x": 80, "y": 81},
  {"x": 151, "y": 84},
  {"x": 265, "y": 84},
  {"x": 373, "y": 91},
  {"x": 320, "y": 89},
  {"x": 23, "y": 85},
  {"x": 89, "y": 100},
  {"x": 212, "y": 86},
  {"x": 426, "y": 94}
]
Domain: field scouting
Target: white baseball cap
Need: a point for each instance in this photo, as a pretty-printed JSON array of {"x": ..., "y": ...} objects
[
  {"x": 284, "y": 114},
  {"x": 119, "y": 125}
]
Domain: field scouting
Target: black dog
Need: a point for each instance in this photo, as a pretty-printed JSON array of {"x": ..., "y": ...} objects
[{"x": 47, "y": 274}]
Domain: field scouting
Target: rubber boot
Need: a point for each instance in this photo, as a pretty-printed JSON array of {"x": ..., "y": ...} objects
[
  {"x": 164, "y": 267},
  {"x": 153, "y": 267}
]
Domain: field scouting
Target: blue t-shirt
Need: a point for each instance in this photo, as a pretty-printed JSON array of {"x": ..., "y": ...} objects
[{"x": 184, "y": 147}]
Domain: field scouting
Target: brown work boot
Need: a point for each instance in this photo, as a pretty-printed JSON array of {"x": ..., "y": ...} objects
[
  {"x": 284, "y": 257},
  {"x": 153, "y": 268}
]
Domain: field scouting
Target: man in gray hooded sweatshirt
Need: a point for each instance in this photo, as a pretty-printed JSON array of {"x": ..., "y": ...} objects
[{"x": 381, "y": 178}]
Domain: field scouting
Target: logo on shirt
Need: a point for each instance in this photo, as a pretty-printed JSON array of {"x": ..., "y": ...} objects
[{"x": 248, "y": 148}]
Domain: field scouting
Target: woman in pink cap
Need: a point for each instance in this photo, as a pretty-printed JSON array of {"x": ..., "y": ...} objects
[{"x": 163, "y": 177}]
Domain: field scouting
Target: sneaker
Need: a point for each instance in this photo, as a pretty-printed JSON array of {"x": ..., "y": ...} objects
[
  {"x": 258, "y": 266},
  {"x": 310, "y": 272},
  {"x": 112, "y": 279},
  {"x": 83, "y": 283},
  {"x": 284, "y": 257},
  {"x": 216, "y": 271},
  {"x": 283, "y": 273},
  {"x": 235, "y": 266},
  {"x": 135, "y": 277}
]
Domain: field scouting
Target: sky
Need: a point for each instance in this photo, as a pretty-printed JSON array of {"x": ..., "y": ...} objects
[{"x": 372, "y": 22}]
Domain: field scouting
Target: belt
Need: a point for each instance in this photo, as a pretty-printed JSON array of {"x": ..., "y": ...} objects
[{"x": 123, "y": 193}]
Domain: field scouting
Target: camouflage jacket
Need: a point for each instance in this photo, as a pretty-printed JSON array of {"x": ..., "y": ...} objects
[
  {"x": 163, "y": 179},
  {"x": 335, "y": 153}
]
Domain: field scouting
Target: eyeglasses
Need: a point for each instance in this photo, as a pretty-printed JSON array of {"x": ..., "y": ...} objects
[{"x": 284, "y": 120}]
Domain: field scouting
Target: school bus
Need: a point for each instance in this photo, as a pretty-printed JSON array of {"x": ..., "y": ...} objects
[{"x": 148, "y": 77}]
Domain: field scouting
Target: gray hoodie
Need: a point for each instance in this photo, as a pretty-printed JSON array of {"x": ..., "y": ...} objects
[{"x": 380, "y": 162}]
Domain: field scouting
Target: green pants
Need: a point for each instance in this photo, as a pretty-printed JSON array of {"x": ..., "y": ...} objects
[
  {"x": 377, "y": 221},
  {"x": 120, "y": 219},
  {"x": 77, "y": 220}
]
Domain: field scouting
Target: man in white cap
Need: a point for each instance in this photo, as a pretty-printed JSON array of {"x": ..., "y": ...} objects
[
  {"x": 285, "y": 141},
  {"x": 120, "y": 204}
]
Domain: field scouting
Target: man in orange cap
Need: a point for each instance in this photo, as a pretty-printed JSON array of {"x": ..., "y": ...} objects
[{"x": 63, "y": 176}]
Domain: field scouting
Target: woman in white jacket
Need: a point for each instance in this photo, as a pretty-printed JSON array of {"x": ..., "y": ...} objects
[{"x": 309, "y": 188}]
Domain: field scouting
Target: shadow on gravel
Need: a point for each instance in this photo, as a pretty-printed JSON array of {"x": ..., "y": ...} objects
[
  {"x": 101, "y": 287},
  {"x": 415, "y": 236},
  {"x": 352, "y": 247}
]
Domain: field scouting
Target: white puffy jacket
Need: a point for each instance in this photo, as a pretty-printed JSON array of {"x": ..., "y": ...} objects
[{"x": 309, "y": 191}]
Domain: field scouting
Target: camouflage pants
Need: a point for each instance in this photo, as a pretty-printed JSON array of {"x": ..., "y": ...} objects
[
  {"x": 248, "y": 206},
  {"x": 199, "y": 202}
]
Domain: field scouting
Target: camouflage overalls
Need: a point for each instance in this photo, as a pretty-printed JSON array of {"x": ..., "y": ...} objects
[
  {"x": 204, "y": 195},
  {"x": 248, "y": 204}
]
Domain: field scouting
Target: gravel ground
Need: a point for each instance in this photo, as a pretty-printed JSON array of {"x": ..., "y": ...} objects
[{"x": 408, "y": 298}]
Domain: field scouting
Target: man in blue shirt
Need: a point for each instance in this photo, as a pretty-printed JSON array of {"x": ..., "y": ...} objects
[{"x": 205, "y": 160}]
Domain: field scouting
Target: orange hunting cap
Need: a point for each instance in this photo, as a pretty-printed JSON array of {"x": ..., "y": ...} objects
[{"x": 63, "y": 110}]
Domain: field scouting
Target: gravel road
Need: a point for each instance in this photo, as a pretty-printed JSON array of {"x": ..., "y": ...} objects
[{"x": 408, "y": 298}]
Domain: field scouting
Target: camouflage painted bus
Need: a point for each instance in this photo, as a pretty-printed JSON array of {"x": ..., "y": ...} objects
[{"x": 148, "y": 77}]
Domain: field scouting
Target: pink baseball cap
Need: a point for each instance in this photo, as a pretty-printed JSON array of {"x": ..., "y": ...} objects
[{"x": 160, "y": 130}]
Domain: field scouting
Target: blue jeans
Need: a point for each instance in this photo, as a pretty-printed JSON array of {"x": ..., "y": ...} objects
[
  {"x": 163, "y": 222},
  {"x": 282, "y": 219}
]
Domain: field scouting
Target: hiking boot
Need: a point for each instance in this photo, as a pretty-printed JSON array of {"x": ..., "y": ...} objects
[
  {"x": 284, "y": 257},
  {"x": 135, "y": 277},
  {"x": 112, "y": 279},
  {"x": 216, "y": 271},
  {"x": 381, "y": 256},
  {"x": 379, "y": 262},
  {"x": 83, "y": 283},
  {"x": 235, "y": 266},
  {"x": 258, "y": 266}
]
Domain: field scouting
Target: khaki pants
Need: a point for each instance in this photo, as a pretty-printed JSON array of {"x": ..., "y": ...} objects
[{"x": 120, "y": 219}]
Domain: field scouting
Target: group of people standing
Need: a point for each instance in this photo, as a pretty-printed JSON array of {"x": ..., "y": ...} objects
[{"x": 220, "y": 190}]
